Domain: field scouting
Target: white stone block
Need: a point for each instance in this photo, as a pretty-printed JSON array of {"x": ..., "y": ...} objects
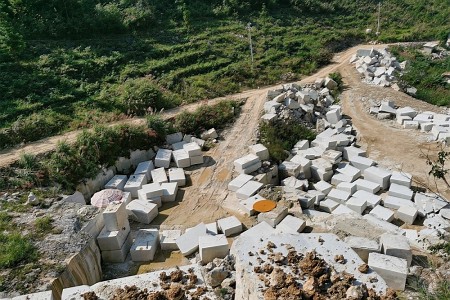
[
  {"x": 117, "y": 182},
  {"x": 178, "y": 146},
  {"x": 142, "y": 211},
  {"x": 113, "y": 240},
  {"x": 197, "y": 160},
  {"x": 339, "y": 178},
  {"x": 155, "y": 200},
  {"x": 118, "y": 256},
  {"x": 192, "y": 149},
  {"x": 174, "y": 138},
  {"x": 378, "y": 175},
  {"x": 211, "y": 247},
  {"x": 163, "y": 157},
  {"x": 181, "y": 158},
  {"x": 401, "y": 178},
  {"x": 145, "y": 245},
  {"x": 249, "y": 189},
  {"x": 411, "y": 125},
  {"x": 339, "y": 196},
  {"x": 400, "y": 191},
  {"x": 274, "y": 216},
  {"x": 315, "y": 196},
  {"x": 159, "y": 175},
  {"x": 134, "y": 184},
  {"x": 392, "y": 269},
  {"x": 145, "y": 168},
  {"x": 363, "y": 246},
  {"x": 170, "y": 190},
  {"x": 341, "y": 209},
  {"x": 238, "y": 182},
  {"x": 395, "y": 202},
  {"x": 401, "y": 119},
  {"x": 289, "y": 168},
  {"x": 382, "y": 213},
  {"x": 269, "y": 118},
  {"x": 371, "y": 199},
  {"x": 177, "y": 175},
  {"x": 199, "y": 142},
  {"x": 318, "y": 173},
  {"x": 349, "y": 171},
  {"x": 291, "y": 183},
  {"x": 407, "y": 214},
  {"x": 115, "y": 216},
  {"x": 426, "y": 127},
  {"x": 211, "y": 228},
  {"x": 230, "y": 226},
  {"x": 167, "y": 239},
  {"x": 247, "y": 205},
  {"x": 350, "y": 151},
  {"x": 323, "y": 186},
  {"x": 259, "y": 150},
  {"x": 396, "y": 245},
  {"x": 187, "y": 138},
  {"x": 150, "y": 190},
  {"x": 406, "y": 111},
  {"x": 387, "y": 109},
  {"x": 126, "y": 197},
  {"x": 302, "y": 145},
  {"x": 358, "y": 205},
  {"x": 188, "y": 242},
  {"x": 291, "y": 224},
  {"x": 368, "y": 186},
  {"x": 333, "y": 116},
  {"x": 245, "y": 162},
  {"x": 328, "y": 205},
  {"x": 349, "y": 187},
  {"x": 360, "y": 162},
  {"x": 305, "y": 165}
]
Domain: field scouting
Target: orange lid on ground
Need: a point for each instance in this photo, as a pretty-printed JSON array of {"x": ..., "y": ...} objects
[{"x": 264, "y": 205}]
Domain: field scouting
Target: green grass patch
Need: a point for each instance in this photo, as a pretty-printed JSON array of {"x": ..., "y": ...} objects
[
  {"x": 5, "y": 221},
  {"x": 44, "y": 225},
  {"x": 16, "y": 249}
]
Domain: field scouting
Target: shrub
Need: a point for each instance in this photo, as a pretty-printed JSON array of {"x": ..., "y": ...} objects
[
  {"x": 16, "y": 249},
  {"x": 157, "y": 124}
]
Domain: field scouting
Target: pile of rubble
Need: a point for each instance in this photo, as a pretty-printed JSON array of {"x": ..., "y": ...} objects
[{"x": 379, "y": 67}]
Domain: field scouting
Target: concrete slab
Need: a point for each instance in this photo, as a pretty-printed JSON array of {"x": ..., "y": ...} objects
[
  {"x": 213, "y": 246},
  {"x": 392, "y": 269},
  {"x": 363, "y": 246},
  {"x": 159, "y": 175},
  {"x": 117, "y": 182},
  {"x": 249, "y": 189},
  {"x": 188, "y": 242},
  {"x": 162, "y": 158},
  {"x": 229, "y": 226},
  {"x": 134, "y": 184},
  {"x": 291, "y": 224},
  {"x": 168, "y": 238},
  {"x": 177, "y": 175},
  {"x": 145, "y": 245},
  {"x": 396, "y": 245},
  {"x": 378, "y": 175}
]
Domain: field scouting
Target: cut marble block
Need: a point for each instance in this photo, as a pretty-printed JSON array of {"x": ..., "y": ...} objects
[
  {"x": 259, "y": 150},
  {"x": 289, "y": 168},
  {"x": 134, "y": 184},
  {"x": 163, "y": 157},
  {"x": 363, "y": 246},
  {"x": 115, "y": 215},
  {"x": 249, "y": 189},
  {"x": 145, "y": 168},
  {"x": 341, "y": 209},
  {"x": 338, "y": 196},
  {"x": 170, "y": 190},
  {"x": 396, "y": 245},
  {"x": 401, "y": 178},
  {"x": 245, "y": 162},
  {"x": 230, "y": 226},
  {"x": 117, "y": 182},
  {"x": 150, "y": 190},
  {"x": 159, "y": 175},
  {"x": 350, "y": 151},
  {"x": 382, "y": 213},
  {"x": 142, "y": 211},
  {"x": 349, "y": 187},
  {"x": 368, "y": 186},
  {"x": 118, "y": 256},
  {"x": 291, "y": 224},
  {"x": 113, "y": 240},
  {"x": 192, "y": 149},
  {"x": 167, "y": 239},
  {"x": 211, "y": 228},
  {"x": 306, "y": 200},
  {"x": 357, "y": 204},
  {"x": 400, "y": 191},
  {"x": 378, "y": 175},
  {"x": 212, "y": 246},
  {"x": 144, "y": 246},
  {"x": 174, "y": 138},
  {"x": 320, "y": 174},
  {"x": 155, "y": 200},
  {"x": 274, "y": 216},
  {"x": 407, "y": 214},
  {"x": 247, "y": 205},
  {"x": 188, "y": 242},
  {"x": 239, "y": 181},
  {"x": 328, "y": 205},
  {"x": 395, "y": 202},
  {"x": 178, "y": 146},
  {"x": 392, "y": 269},
  {"x": 339, "y": 178},
  {"x": 181, "y": 158},
  {"x": 291, "y": 184},
  {"x": 323, "y": 186},
  {"x": 196, "y": 160},
  {"x": 177, "y": 175},
  {"x": 349, "y": 171},
  {"x": 126, "y": 197},
  {"x": 360, "y": 162}
]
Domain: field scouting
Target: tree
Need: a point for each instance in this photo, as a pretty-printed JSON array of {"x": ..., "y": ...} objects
[{"x": 438, "y": 168}]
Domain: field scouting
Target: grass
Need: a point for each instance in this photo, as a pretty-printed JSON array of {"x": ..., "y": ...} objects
[
  {"x": 442, "y": 292},
  {"x": 44, "y": 225},
  {"x": 444, "y": 247},
  {"x": 16, "y": 249}
]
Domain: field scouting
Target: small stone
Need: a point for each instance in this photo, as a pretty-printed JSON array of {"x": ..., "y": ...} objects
[
  {"x": 216, "y": 276},
  {"x": 355, "y": 292},
  {"x": 364, "y": 268}
]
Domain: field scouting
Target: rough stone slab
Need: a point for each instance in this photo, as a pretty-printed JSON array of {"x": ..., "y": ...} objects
[
  {"x": 118, "y": 256},
  {"x": 368, "y": 186},
  {"x": 145, "y": 245},
  {"x": 387, "y": 109},
  {"x": 239, "y": 181},
  {"x": 306, "y": 200},
  {"x": 407, "y": 214},
  {"x": 382, "y": 213},
  {"x": 197, "y": 160},
  {"x": 177, "y": 175},
  {"x": 289, "y": 168},
  {"x": 117, "y": 182},
  {"x": 396, "y": 203},
  {"x": 437, "y": 222},
  {"x": 349, "y": 187},
  {"x": 406, "y": 111},
  {"x": 167, "y": 239},
  {"x": 181, "y": 158},
  {"x": 188, "y": 242},
  {"x": 212, "y": 247},
  {"x": 323, "y": 186},
  {"x": 363, "y": 246},
  {"x": 400, "y": 191},
  {"x": 115, "y": 216},
  {"x": 291, "y": 224},
  {"x": 150, "y": 190},
  {"x": 162, "y": 158},
  {"x": 392, "y": 269},
  {"x": 378, "y": 175},
  {"x": 356, "y": 204},
  {"x": 134, "y": 184},
  {"x": 445, "y": 213},
  {"x": 249, "y": 189},
  {"x": 274, "y": 216},
  {"x": 396, "y": 245},
  {"x": 401, "y": 178},
  {"x": 113, "y": 240},
  {"x": 159, "y": 175},
  {"x": 47, "y": 295},
  {"x": 192, "y": 149},
  {"x": 339, "y": 196},
  {"x": 142, "y": 211},
  {"x": 170, "y": 190},
  {"x": 328, "y": 205},
  {"x": 174, "y": 138},
  {"x": 199, "y": 142},
  {"x": 291, "y": 184},
  {"x": 230, "y": 225},
  {"x": 145, "y": 168}
]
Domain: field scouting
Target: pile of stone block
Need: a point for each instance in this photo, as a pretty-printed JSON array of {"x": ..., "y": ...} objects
[{"x": 114, "y": 240}]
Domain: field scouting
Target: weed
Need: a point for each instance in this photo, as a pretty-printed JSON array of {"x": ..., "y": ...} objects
[
  {"x": 5, "y": 221},
  {"x": 44, "y": 224},
  {"x": 442, "y": 291},
  {"x": 16, "y": 249}
]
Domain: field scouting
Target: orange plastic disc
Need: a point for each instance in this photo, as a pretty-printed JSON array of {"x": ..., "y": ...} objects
[{"x": 264, "y": 205}]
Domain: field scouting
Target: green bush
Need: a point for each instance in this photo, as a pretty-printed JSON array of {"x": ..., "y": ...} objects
[
  {"x": 16, "y": 249},
  {"x": 160, "y": 126}
]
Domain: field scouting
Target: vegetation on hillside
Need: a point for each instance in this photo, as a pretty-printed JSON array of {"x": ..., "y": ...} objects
[
  {"x": 425, "y": 74},
  {"x": 77, "y": 63}
]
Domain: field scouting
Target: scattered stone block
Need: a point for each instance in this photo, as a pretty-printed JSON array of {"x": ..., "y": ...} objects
[
  {"x": 144, "y": 246},
  {"x": 358, "y": 205},
  {"x": 192, "y": 149},
  {"x": 211, "y": 228},
  {"x": 188, "y": 242},
  {"x": 274, "y": 216},
  {"x": 150, "y": 190},
  {"x": 289, "y": 168},
  {"x": 115, "y": 216},
  {"x": 401, "y": 178},
  {"x": 291, "y": 224},
  {"x": 117, "y": 182},
  {"x": 349, "y": 187},
  {"x": 269, "y": 118},
  {"x": 170, "y": 190},
  {"x": 349, "y": 171},
  {"x": 395, "y": 202},
  {"x": 306, "y": 200},
  {"x": 134, "y": 184},
  {"x": 400, "y": 191},
  {"x": 177, "y": 175},
  {"x": 411, "y": 125},
  {"x": 142, "y": 211},
  {"x": 178, "y": 146},
  {"x": 339, "y": 196},
  {"x": 378, "y": 175},
  {"x": 393, "y": 270},
  {"x": 291, "y": 184},
  {"x": 168, "y": 238},
  {"x": 199, "y": 142},
  {"x": 163, "y": 157},
  {"x": 323, "y": 186},
  {"x": 209, "y": 134},
  {"x": 126, "y": 197},
  {"x": 145, "y": 168},
  {"x": 113, "y": 240},
  {"x": 247, "y": 164},
  {"x": 401, "y": 119},
  {"x": 239, "y": 181},
  {"x": 360, "y": 162},
  {"x": 384, "y": 108},
  {"x": 382, "y": 213},
  {"x": 368, "y": 186},
  {"x": 339, "y": 178},
  {"x": 155, "y": 200},
  {"x": 197, "y": 160},
  {"x": 159, "y": 175},
  {"x": 333, "y": 116},
  {"x": 371, "y": 199},
  {"x": 291, "y": 103},
  {"x": 363, "y": 246},
  {"x": 181, "y": 158},
  {"x": 342, "y": 210},
  {"x": 260, "y": 150},
  {"x": 330, "y": 83},
  {"x": 406, "y": 111},
  {"x": 247, "y": 205},
  {"x": 351, "y": 151},
  {"x": 249, "y": 189},
  {"x": 174, "y": 138},
  {"x": 396, "y": 245},
  {"x": 407, "y": 214},
  {"x": 118, "y": 256},
  {"x": 230, "y": 226},
  {"x": 328, "y": 205},
  {"x": 212, "y": 247},
  {"x": 187, "y": 138}
]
